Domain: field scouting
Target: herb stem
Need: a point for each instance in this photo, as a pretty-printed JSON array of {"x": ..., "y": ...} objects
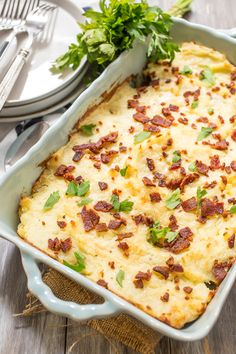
[{"x": 180, "y": 8}]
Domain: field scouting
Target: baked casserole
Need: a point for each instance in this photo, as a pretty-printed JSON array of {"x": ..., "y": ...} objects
[{"x": 142, "y": 198}]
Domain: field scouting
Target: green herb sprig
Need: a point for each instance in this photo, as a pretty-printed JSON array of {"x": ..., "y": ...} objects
[
  {"x": 113, "y": 29},
  {"x": 79, "y": 266},
  {"x": 126, "y": 205}
]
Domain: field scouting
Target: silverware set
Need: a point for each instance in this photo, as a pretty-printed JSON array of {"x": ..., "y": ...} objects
[{"x": 29, "y": 17}]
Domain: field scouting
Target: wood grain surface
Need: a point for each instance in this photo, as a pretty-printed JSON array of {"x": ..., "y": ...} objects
[{"x": 46, "y": 333}]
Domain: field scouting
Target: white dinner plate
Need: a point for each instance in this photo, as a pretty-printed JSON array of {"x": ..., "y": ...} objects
[
  {"x": 36, "y": 81},
  {"x": 40, "y": 113}
]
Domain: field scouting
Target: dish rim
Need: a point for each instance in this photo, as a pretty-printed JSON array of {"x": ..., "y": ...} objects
[{"x": 113, "y": 303}]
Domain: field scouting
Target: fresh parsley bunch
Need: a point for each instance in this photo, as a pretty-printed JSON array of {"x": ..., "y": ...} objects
[{"x": 109, "y": 32}]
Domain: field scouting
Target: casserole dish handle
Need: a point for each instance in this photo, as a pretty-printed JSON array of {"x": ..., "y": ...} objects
[{"x": 69, "y": 309}]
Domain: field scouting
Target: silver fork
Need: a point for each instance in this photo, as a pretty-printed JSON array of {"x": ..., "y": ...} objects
[
  {"x": 35, "y": 24},
  {"x": 13, "y": 14}
]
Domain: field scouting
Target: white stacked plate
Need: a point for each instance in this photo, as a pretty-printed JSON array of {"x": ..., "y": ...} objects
[{"x": 38, "y": 91}]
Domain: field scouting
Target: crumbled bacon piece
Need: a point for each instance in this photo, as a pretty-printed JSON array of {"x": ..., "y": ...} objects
[
  {"x": 142, "y": 219},
  {"x": 148, "y": 182},
  {"x": 187, "y": 289},
  {"x": 202, "y": 120},
  {"x": 220, "y": 145},
  {"x": 68, "y": 177},
  {"x": 186, "y": 232},
  {"x": 132, "y": 103},
  {"x": 173, "y": 223},
  {"x": 215, "y": 162},
  {"x": 62, "y": 170},
  {"x": 155, "y": 82},
  {"x": 101, "y": 227},
  {"x": 115, "y": 224},
  {"x": 150, "y": 164},
  {"x": 141, "y": 118},
  {"x": 124, "y": 247},
  {"x": 170, "y": 261},
  {"x": 209, "y": 208},
  {"x": 202, "y": 168},
  {"x": 138, "y": 283},
  {"x": 122, "y": 149},
  {"x": 90, "y": 218},
  {"x": 141, "y": 109},
  {"x": 233, "y": 165},
  {"x": 228, "y": 169},
  {"x": 233, "y": 135},
  {"x": 151, "y": 128},
  {"x": 173, "y": 108},
  {"x": 155, "y": 197},
  {"x": 108, "y": 156},
  {"x": 103, "y": 206},
  {"x": 175, "y": 166},
  {"x": 166, "y": 112},
  {"x": 144, "y": 275},
  {"x": 179, "y": 244},
  {"x": 183, "y": 120},
  {"x": 62, "y": 224},
  {"x": 161, "y": 121},
  {"x": 188, "y": 179},
  {"x": 102, "y": 283},
  {"x": 232, "y": 200},
  {"x": 54, "y": 245},
  {"x": 111, "y": 264},
  {"x": 124, "y": 235},
  {"x": 78, "y": 156},
  {"x": 177, "y": 268},
  {"x": 219, "y": 270},
  {"x": 233, "y": 76},
  {"x": 224, "y": 179},
  {"x": 165, "y": 297},
  {"x": 163, "y": 270},
  {"x": 66, "y": 244},
  {"x": 101, "y": 143},
  {"x": 189, "y": 204},
  {"x": 231, "y": 241},
  {"x": 172, "y": 184},
  {"x": 210, "y": 185},
  {"x": 103, "y": 186}
]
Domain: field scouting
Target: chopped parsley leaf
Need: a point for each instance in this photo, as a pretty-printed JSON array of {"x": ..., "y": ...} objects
[
  {"x": 72, "y": 189},
  {"x": 83, "y": 188},
  {"x": 52, "y": 200},
  {"x": 205, "y": 131},
  {"x": 120, "y": 276},
  {"x": 232, "y": 210},
  {"x": 186, "y": 70},
  {"x": 84, "y": 201},
  {"x": 208, "y": 76},
  {"x": 192, "y": 167},
  {"x": 125, "y": 206},
  {"x": 171, "y": 235},
  {"x": 194, "y": 104},
  {"x": 140, "y": 137},
  {"x": 123, "y": 171},
  {"x": 87, "y": 129},
  {"x": 200, "y": 194},
  {"x": 79, "y": 266},
  {"x": 176, "y": 156},
  {"x": 173, "y": 199}
]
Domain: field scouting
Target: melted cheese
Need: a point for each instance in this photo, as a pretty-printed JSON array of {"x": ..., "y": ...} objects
[{"x": 209, "y": 241}]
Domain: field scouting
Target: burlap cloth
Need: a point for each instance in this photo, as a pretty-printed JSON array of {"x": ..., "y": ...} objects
[{"x": 123, "y": 328}]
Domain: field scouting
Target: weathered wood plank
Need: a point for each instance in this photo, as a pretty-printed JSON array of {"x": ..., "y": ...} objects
[{"x": 42, "y": 334}]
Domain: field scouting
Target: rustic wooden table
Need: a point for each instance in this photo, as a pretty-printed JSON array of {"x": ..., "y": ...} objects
[{"x": 46, "y": 333}]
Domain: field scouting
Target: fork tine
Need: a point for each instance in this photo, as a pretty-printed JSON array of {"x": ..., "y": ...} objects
[
  {"x": 3, "y": 8},
  {"x": 8, "y": 10},
  {"x": 25, "y": 9}
]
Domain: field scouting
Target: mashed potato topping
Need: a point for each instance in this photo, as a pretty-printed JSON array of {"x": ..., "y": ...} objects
[{"x": 142, "y": 199}]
